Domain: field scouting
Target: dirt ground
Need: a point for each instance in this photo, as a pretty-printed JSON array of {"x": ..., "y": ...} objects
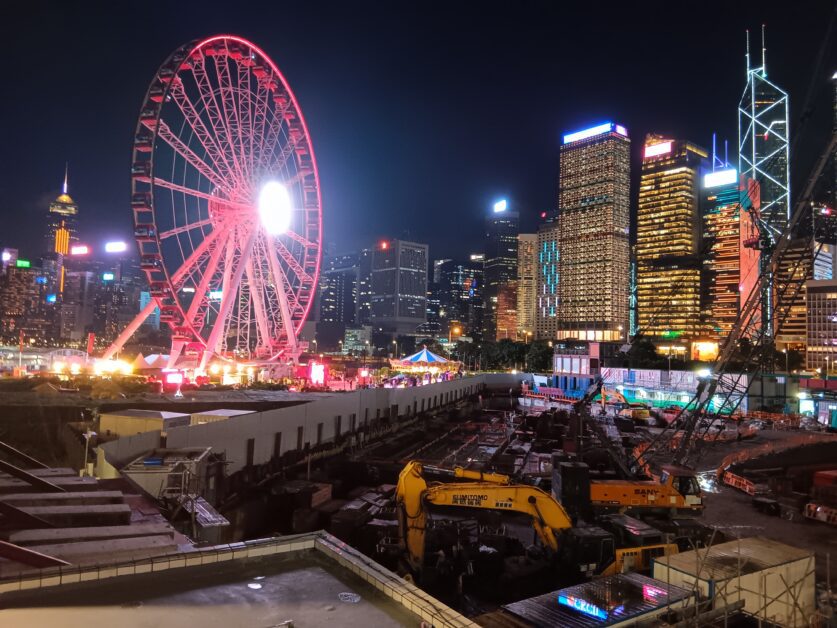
[{"x": 731, "y": 511}]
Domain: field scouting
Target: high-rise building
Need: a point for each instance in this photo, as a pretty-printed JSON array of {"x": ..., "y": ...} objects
[
  {"x": 821, "y": 324},
  {"x": 668, "y": 234},
  {"x": 78, "y": 302},
  {"x": 338, "y": 289},
  {"x": 764, "y": 141},
  {"x": 527, "y": 244},
  {"x": 731, "y": 263},
  {"x": 465, "y": 300},
  {"x": 364, "y": 287},
  {"x": 62, "y": 223},
  {"x": 399, "y": 286},
  {"x": 593, "y": 238},
  {"x": 507, "y": 325},
  {"x": 27, "y": 305},
  {"x": 153, "y": 320},
  {"x": 546, "y": 284},
  {"x": 439, "y": 266},
  {"x": 501, "y": 229}
]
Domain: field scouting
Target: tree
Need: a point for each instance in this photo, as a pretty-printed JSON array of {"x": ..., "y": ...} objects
[
  {"x": 433, "y": 345},
  {"x": 539, "y": 357},
  {"x": 643, "y": 353}
]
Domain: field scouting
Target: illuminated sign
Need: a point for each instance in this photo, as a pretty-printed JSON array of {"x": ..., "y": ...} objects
[
  {"x": 720, "y": 177},
  {"x": 663, "y": 148},
  {"x": 501, "y": 206},
  {"x": 671, "y": 333},
  {"x": 189, "y": 289},
  {"x": 116, "y": 247},
  {"x": 6, "y": 256},
  {"x": 107, "y": 276},
  {"x": 40, "y": 280},
  {"x": 652, "y": 594},
  {"x": 51, "y": 298},
  {"x": 215, "y": 295},
  {"x": 599, "y": 129},
  {"x": 174, "y": 378},
  {"x": 23, "y": 263},
  {"x": 317, "y": 373},
  {"x": 582, "y": 605},
  {"x": 79, "y": 249}
]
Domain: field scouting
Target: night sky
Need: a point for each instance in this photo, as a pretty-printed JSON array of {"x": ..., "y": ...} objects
[{"x": 421, "y": 114}]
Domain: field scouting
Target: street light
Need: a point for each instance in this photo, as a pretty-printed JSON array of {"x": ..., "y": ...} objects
[
  {"x": 528, "y": 336},
  {"x": 826, "y": 368},
  {"x": 395, "y": 342},
  {"x": 453, "y": 330}
]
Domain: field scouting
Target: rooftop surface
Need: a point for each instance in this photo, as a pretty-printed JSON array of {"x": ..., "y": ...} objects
[
  {"x": 310, "y": 579},
  {"x": 147, "y": 414},
  {"x": 725, "y": 560},
  {"x": 265, "y": 592}
]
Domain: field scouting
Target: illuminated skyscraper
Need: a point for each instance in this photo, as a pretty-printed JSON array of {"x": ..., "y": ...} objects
[
  {"x": 731, "y": 267},
  {"x": 501, "y": 229},
  {"x": 507, "y": 311},
  {"x": 546, "y": 286},
  {"x": 399, "y": 286},
  {"x": 527, "y": 244},
  {"x": 62, "y": 222},
  {"x": 764, "y": 142},
  {"x": 593, "y": 240},
  {"x": 668, "y": 239}
]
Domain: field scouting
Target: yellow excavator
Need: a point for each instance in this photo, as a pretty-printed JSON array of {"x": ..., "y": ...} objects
[{"x": 589, "y": 549}]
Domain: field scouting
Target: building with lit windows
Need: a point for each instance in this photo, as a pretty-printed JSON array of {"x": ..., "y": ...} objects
[
  {"x": 593, "y": 245},
  {"x": 668, "y": 234},
  {"x": 62, "y": 223},
  {"x": 546, "y": 284},
  {"x": 821, "y": 327},
  {"x": 507, "y": 324},
  {"x": 731, "y": 267},
  {"x": 399, "y": 286},
  {"x": 27, "y": 305},
  {"x": 527, "y": 244},
  {"x": 464, "y": 300},
  {"x": 338, "y": 289},
  {"x": 501, "y": 230}
]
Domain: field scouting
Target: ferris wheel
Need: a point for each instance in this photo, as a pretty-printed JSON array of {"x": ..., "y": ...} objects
[{"x": 226, "y": 202}]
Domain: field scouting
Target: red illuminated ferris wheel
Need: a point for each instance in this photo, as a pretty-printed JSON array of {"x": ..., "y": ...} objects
[{"x": 226, "y": 202}]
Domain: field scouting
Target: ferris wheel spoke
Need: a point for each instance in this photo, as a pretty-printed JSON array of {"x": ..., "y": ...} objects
[
  {"x": 229, "y": 292},
  {"x": 246, "y": 113},
  {"x": 189, "y": 264},
  {"x": 165, "y": 133},
  {"x": 290, "y": 260},
  {"x": 203, "y": 195},
  {"x": 230, "y": 111},
  {"x": 202, "y": 290},
  {"x": 202, "y": 133},
  {"x": 256, "y": 296},
  {"x": 217, "y": 119},
  {"x": 195, "y": 225},
  {"x": 274, "y": 130},
  {"x": 293, "y": 235},
  {"x": 280, "y": 281}
]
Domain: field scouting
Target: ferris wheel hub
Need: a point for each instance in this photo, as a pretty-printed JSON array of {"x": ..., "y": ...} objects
[{"x": 275, "y": 208}]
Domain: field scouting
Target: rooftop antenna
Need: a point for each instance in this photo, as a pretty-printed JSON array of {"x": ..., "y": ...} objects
[
  {"x": 714, "y": 152},
  {"x": 763, "y": 51},
  {"x": 66, "y": 170},
  {"x": 726, "y": 153},
  {"x": 747, "y": 55}
]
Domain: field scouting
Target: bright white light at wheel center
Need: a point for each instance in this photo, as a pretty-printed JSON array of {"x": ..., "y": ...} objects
[{"x": 275, "y": 208}]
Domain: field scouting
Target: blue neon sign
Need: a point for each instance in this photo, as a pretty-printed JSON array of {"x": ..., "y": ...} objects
[
  {"x": 599, "y": 129},
  {"x": 583, "y": 606}
]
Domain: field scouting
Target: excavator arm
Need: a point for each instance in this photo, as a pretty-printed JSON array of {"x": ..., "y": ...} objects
[{"x": 413, "y": 494}]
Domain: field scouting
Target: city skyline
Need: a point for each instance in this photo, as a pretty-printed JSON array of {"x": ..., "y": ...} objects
[{"x": 551, "y": 101}]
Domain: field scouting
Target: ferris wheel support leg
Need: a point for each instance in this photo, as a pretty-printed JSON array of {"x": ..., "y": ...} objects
[
  {"x": 176, "y": 350},
  {"x": 284, "y": 306},
  {"x": 129, "y": 331},
  {"x": 228, "y": 299}
]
